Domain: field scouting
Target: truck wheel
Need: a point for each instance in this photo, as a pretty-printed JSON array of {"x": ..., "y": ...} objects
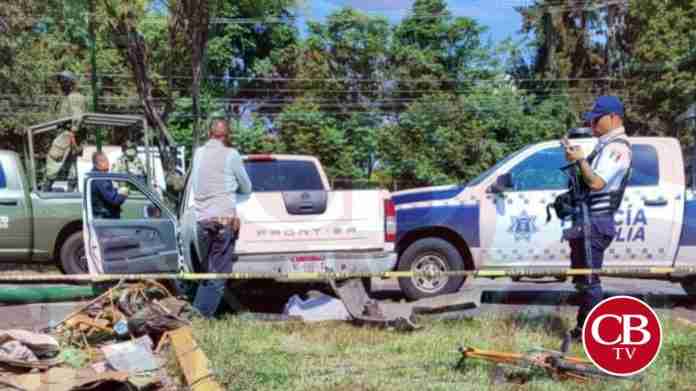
[
  {"x": 430, "y": 254},
  {"x": 72, "y": 255},
  {"x": 689, "y": 286}
]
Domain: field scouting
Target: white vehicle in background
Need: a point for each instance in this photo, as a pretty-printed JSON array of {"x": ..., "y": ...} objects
[
  {"x": 114, "y": 152},
  {"x": 292, "y": 221}
]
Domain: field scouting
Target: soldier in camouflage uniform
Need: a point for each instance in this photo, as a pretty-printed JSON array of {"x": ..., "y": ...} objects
[
  {"x": 129, "y": 163},
  {"x": 73, "y": 104},
  {"x": 61, "y": 158}
]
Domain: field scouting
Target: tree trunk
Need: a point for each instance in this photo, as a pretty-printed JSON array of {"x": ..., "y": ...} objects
[
  {"x": 197, "y": 16},
  {"x": 135, "y": 52}
]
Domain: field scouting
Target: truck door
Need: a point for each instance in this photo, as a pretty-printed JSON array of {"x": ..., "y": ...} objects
[
  {"x": 522, "y": 235},
  {"x": 649, "y": 220},
  {"x": 141, "y": 237},
  {"x": 15, "y": 217}
]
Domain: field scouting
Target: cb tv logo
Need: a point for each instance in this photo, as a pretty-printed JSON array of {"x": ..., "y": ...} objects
[{"x": 622, "y": 335}]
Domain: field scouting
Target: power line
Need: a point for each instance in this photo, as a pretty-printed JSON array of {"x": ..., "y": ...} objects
[{"x": 371, "y": 80}]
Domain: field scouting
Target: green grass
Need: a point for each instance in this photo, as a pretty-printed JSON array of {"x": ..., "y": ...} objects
[{"x": 253, "y": 355}]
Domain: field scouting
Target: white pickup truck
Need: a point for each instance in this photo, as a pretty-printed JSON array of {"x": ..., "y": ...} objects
[
  {"x": 292, "y": 221},
  {"x": 479, "y": 225}
]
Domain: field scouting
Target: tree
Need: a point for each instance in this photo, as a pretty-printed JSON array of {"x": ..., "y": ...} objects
[
  {"x": 446, "y": 138},
  {"x": 662, "y": 73},
  {"x": 576, "y": 49},
  {"x": 250, "y": 39},
  {"x": 304, "y": 129},
  {"x": 563, "y": 39},
  {"x": 432, "y": 45},
  {"x": 255, "y": 138},
  {"x": 27, "y": 65},
  {"x": 348, "y": 57},
  {"x": 193, "y": 18}
]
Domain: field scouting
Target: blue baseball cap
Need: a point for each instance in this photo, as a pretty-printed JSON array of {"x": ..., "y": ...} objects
[{"x": 605, "y": 105}]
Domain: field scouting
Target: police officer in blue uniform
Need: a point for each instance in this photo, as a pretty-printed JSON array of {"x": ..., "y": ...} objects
[{"x": 602, "y": 178}]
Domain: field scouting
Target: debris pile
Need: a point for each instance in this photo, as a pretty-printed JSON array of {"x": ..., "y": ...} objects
[{"x": 112, "y": 342}]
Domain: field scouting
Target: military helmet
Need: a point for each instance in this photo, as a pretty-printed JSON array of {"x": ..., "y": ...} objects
[{"x": 68, "y": 76}]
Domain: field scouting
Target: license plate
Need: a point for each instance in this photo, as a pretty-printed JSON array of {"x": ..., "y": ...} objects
[{"x": 309, "y": 263}]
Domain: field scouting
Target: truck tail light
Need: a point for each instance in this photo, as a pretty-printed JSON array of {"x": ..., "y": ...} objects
[
  {"x": 389, "y": 221},
  {"x": 260, "y": 158}
]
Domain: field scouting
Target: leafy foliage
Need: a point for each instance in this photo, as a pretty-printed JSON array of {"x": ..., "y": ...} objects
[
  {"x": 423, "y": 101},
  {"x": 445, "y": 138},
  {"x": 663, "y": 69}
]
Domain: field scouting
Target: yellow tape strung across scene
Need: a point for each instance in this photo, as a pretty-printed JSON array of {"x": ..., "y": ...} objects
[{"x": 323, "y": 276}]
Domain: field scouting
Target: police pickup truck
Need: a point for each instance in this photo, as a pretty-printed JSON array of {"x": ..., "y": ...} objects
[
  {"x": 291, "y": 222},
  {"x": 499, "y": 219}
]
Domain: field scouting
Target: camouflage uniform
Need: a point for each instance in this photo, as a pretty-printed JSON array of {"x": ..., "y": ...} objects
[
  {"x": 72, "y": 105},
  {"x": 129, "y": 163},
  {"x": 57, "y": 155}
]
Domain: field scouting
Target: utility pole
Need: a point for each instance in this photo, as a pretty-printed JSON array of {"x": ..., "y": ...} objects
[{"x": 93, "y": 61}]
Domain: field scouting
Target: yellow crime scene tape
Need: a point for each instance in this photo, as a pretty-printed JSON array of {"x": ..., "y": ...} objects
[{"x": 646, "y": 272}]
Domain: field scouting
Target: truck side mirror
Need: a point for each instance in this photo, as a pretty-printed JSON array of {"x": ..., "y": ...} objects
[{"x": 502, "y": 183}]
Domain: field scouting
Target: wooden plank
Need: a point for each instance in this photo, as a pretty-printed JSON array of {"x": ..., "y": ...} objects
[{"x": 192, "y": 361}]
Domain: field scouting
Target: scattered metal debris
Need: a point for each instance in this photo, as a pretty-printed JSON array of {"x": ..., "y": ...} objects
[
  {"x": 146, "y": 308},
  {"x": 365, "y": 310}
]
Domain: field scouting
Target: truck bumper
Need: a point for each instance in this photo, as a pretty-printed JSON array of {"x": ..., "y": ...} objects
[{"x": 347, "y": 262}]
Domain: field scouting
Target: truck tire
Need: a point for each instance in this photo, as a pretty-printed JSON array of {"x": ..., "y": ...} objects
[
  {"x": 689, "y": 286},
  {"x": 72, "y": 255},
  {"x": 430, "y": 254}
]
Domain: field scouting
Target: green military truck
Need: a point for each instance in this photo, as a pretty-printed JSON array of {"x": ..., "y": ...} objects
[{"x": 44, "y": 224}]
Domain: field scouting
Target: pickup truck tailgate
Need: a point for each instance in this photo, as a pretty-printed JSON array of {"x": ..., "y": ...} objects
[{"x": 353, "y": 220}]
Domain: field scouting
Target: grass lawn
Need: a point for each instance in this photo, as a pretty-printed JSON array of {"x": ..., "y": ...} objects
[{"x": 253, "y": 355}]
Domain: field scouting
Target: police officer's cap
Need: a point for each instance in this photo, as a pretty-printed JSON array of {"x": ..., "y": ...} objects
[{"x": 604, "y": 105}]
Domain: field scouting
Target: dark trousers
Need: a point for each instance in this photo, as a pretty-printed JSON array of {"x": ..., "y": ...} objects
[
  {"x": 590, "y": 287},
  {"x": 217, "y": 244}
]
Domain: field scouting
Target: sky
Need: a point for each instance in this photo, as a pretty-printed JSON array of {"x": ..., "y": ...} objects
[{"x": 498, "y": 15}]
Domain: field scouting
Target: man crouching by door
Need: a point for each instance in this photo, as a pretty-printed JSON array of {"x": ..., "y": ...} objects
[{"x": 217, "y": 176}]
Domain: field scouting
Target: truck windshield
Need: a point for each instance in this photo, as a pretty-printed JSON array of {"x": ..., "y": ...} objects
[
  {"x": 283, "y": 175},
  {"x": 481, "y": 177}
]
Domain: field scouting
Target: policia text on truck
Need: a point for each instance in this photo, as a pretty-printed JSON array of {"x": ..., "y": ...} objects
[{"x": 597, "y": 187}]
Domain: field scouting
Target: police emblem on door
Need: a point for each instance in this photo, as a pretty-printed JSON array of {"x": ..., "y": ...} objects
[{"x": 523, "y": 226}]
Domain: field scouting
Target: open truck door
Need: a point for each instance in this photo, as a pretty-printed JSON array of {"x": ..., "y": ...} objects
[{"x": 139, "y": 237}]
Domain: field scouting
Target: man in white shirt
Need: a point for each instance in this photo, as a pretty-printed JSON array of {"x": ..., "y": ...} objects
[
  {"x": 217, "y": 176},
  {"x": 603, "y": 177}
]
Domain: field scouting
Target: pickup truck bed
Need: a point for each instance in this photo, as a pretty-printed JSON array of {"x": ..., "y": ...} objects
[{"x": 338, "y": 231}]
